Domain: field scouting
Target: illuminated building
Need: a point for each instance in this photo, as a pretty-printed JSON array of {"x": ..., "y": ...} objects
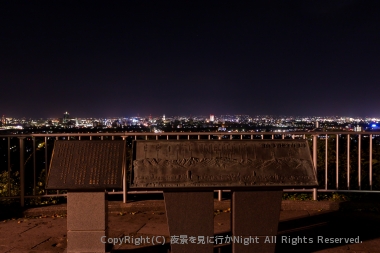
[{"x": 66, "y": 117}]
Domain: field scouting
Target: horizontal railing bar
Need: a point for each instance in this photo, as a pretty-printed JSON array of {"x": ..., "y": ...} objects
[
  {"x": 331, "y": 190},
  {"x": 142, "y": 192},
  {"x": 126, "y": 134},
  {"x": 36, "y": 196},
  {"x": 354, "y": 191}
]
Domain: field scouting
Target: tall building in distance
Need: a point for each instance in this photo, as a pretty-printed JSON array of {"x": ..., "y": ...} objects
[
  {"x": 66, "y": 117},
  {"x": 212, "y": 118},
  {"x": 3, "y": 120}
]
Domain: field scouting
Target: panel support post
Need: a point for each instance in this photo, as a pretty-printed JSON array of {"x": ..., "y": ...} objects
[
  {"x": 255, "y": 215},
  {"x": 191, "y": 214},
  {"x": 87, "y": 217}
]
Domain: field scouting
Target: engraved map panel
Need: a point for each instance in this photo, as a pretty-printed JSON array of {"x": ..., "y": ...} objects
[
  {"x": 222, "y": 163},
  {"x": 86, "y": 165}
]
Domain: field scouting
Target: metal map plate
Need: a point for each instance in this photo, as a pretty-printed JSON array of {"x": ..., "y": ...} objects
[
  {"x": 222, "y": 164},
  {"x": 91, "y": 165}
]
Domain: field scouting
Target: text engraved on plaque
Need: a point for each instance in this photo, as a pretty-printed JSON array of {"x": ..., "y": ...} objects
[
  {"x": 86, "y": 165},
  {"x": 222, "y": 164}
]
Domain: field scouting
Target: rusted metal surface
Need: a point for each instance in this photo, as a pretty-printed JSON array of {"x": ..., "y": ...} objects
[{"x": 86, "y": 165}]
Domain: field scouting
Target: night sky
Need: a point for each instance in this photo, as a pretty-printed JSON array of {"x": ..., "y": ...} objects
[{"x": 129, "y": 58}]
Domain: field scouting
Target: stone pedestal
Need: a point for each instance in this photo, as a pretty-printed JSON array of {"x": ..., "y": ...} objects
[
  {"x": 87, "y": 217},
  {"x": 255, "y": 216},
  {"x": 190, "y": 214}
]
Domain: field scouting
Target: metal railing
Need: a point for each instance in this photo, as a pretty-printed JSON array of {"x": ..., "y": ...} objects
[{"x": 335, "y": 168}]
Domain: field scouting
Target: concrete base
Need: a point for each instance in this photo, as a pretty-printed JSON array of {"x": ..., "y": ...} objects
[
  {"x": 87, "y": 216},
  {"x": 190, "y": 214},
  {"x": 255, "y": 214}
]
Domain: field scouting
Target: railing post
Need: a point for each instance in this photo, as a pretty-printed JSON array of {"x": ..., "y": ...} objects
[
  {"x": 219, "y": 195},
  {"x": 359, "y": 162},
  {"x": 219, "y": 191},
  {"x": 370, "y": 161},
  {"x": 56, "y": 138},
  {"x": 337, "y": 161},
  {"x": 348, "y": 161},
  {"x": 46, "y": 158},
  {"x": 9, "y": 167},
  {"x": 34, "y": 165},
  {"x": 22, "y": 171},
  {"x": 124, "y": 181},
  {"x": 326, "y": 161},
  {"x": 315, "y": 138}
]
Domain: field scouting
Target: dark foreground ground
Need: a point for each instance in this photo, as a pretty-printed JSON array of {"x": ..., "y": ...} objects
[{"x": 43, "y": 229}]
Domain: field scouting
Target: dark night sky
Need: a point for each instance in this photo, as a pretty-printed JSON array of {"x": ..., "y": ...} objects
[{"x": 121, "y": 58}]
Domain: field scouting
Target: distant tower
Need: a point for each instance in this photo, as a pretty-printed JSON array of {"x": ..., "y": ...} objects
[
  {"x": 163, "y": 117},
  {"x": 3, "y": 120},
  {"x": 211, "y": 117},
  {"x": 66, "y": 117}
]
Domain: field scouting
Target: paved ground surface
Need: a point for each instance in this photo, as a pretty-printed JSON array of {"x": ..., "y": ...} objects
[{"x": 44, "y": 228}]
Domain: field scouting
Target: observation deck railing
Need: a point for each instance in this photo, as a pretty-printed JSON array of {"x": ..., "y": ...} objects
[{"x": 345, "y": 161}]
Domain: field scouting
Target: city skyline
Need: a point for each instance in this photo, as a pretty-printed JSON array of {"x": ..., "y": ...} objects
[
  {"x": 66, "y": 116},
  {"x": 69, "y": 115},
  {"x": 211, "y": 123},
  {"x": 101, "y": 59}
]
